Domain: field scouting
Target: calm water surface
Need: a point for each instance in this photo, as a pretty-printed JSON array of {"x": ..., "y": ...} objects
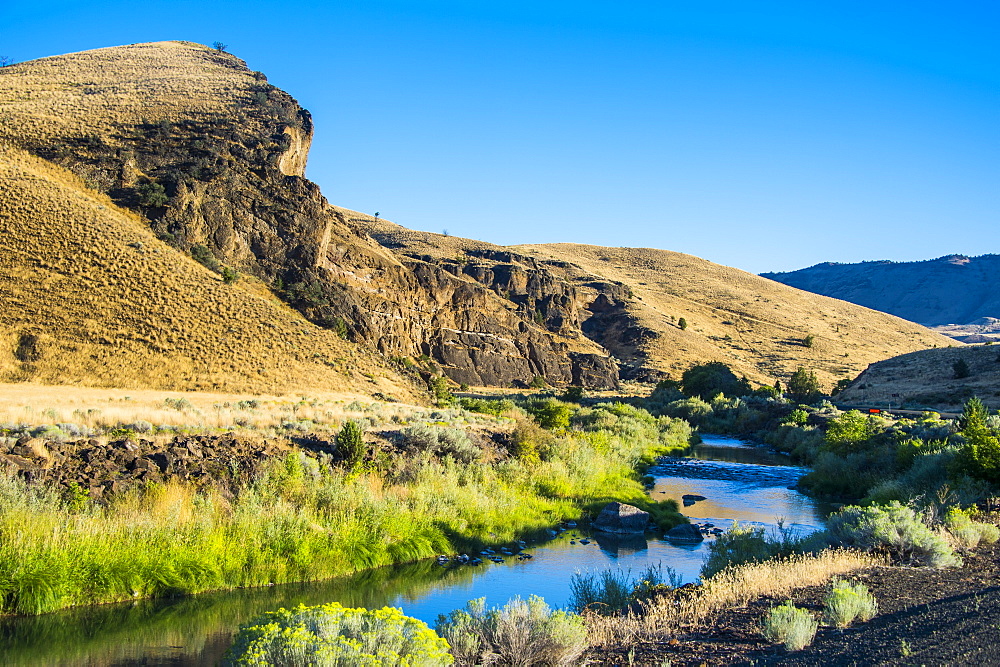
[{"x": 740, "y": 483}]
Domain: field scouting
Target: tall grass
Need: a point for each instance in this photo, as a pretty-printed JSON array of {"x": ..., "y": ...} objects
[{"x": 298, "y": 521}]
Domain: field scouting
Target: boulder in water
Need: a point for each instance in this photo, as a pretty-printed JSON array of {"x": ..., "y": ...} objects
[
  {"x": 686, "y": 532},
  {"x": 621, "y": 518},
  {"x": 691, "y": 498}
]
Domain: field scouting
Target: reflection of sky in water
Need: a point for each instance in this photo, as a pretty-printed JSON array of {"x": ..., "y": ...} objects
[
  {"x": 752, "y": 491},
  {"x": 747, "y": 484}
]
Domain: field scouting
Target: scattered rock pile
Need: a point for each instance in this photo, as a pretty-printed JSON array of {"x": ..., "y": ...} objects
[{"x": 104, "y": 469}]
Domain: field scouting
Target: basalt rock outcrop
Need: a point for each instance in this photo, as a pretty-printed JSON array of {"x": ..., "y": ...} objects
[
  {"x": 101, "y": 469},
  {"x": 214, "y": 158}
]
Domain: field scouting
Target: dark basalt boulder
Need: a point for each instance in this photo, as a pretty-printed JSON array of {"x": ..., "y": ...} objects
[
  {"x": 622, "y": 519},
  {"x": 686, "y": 532}
]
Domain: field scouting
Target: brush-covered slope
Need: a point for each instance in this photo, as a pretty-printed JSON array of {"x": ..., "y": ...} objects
[
  {"x": 954, "y": 289},
  {"x": 632, "y": 300},
  {"x": 209, "y": 153},
  {"x": 91, "y": 296},
  {"x": 927, "y": 379}
]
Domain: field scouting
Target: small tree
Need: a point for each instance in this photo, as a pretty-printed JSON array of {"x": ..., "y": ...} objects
[
  {"x": 961, "y": 369},
  {"x": 219, "y": 47},
  {"x": 803, "y": 386},
  {"x": 151, "y": 195},
  {"x": 439, "y": 388},
  {"x": 229, "y": 276},
  {"x": 682, "y": 324},
  {"x": 809, "y": 340},
  {"x": 351, "y": 444}
]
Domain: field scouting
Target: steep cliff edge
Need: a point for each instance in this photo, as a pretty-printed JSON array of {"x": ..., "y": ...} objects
[{"x": 212, "y": 155}]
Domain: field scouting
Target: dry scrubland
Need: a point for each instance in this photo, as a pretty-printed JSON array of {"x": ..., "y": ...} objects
[
  {"x": 927, "y": 379},
  {"x": 92, "y": 297},
  {"x": 755, "y": 325}
]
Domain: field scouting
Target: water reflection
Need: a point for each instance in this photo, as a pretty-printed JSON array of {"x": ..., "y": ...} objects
[{"x": 738, "y": 482}]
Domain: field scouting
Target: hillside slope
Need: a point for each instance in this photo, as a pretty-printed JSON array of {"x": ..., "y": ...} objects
[
  {"x": 631, "y": 301},
  {"x": 90, "y": 296},
  {"x": 948, "y": 290},
  {"x": 926, "y": 379},
  {"x": 211, "y": 154},
  {"x": 207, "y": 155}
]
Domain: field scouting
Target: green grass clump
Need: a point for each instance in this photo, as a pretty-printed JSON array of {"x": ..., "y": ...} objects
[
  {"x": 847, "y": 602},
  {"x": 611, "y": 591},
  {"x": 519, "y": 633},
  {"x": 331, "y": 635},
  {"x": 788, "y": 625}
]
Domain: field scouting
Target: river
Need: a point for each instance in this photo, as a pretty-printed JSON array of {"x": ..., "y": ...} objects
[{"x": 739, "y": 483}]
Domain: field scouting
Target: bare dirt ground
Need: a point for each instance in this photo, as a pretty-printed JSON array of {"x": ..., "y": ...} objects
[{"x": 926, "y": 617}]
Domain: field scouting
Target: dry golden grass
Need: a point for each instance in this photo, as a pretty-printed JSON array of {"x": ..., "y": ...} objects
[
  {"x": 665, "y": 617},
  {"x": 98, "y": 92},
  {"x": 755, "y": 325},
  {"x": 110, "y": 305},
  {"x": 36, "y": 405},
  {"x": 927, "y": 379}
]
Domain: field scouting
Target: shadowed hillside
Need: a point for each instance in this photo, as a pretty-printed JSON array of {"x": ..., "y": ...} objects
[
  {"x": 927, "y": 379},
  {"x": 91, "y": 296},
  {"x": 948, "y": 290}
]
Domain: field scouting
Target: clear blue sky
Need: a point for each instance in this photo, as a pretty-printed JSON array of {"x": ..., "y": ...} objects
[{"x": 762, "y": 135}]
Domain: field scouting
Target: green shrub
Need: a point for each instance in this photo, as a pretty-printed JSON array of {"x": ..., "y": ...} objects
[
  {"x": 229, "y": 275},
  {"x": 351, "y": 444},
  {"x": 203, "y": 255},
  {"x": 969, "y": 533},
  {"x": 846, "y": 602},
  {"x": 486, "y": 406},
  {"x": 151, "y": 195},
  {"x": 452, "y": 442},
  {"x": 708, "y": 380},
  {"x": 796, "y": 418},
  {"x": 550, "y": 413},
  {"x": 334, "y": 635},
  {"x": 519, "y": 633},
  {"x": 439, "y": 389},
  {"x": 893, "y": 529},
  {"x": 803, "y": 386},
  {"x": 787, "y": 624}
]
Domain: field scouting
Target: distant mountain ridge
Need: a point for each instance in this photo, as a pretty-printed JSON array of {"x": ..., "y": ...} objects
[{"x": 953, "y": 289}]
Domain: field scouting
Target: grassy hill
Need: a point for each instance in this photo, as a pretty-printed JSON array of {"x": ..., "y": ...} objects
[
  {"x": 633, "y": 299},
  {"x": 99, "y": 287},
  {"x": 926, "y": 380},
  {"x": 91, "y": 296}
]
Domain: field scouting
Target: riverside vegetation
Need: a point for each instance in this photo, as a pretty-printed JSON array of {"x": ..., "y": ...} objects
[{"x": 428, "y": 489}]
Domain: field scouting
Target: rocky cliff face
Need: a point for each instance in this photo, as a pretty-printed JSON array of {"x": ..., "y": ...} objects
[{"x": 214, "y": 156}]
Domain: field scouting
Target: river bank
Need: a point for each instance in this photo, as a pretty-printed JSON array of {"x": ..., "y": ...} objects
[{"x": 926, "y": 616}]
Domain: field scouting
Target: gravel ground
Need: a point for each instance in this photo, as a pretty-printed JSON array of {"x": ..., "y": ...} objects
[{"x": 926, "y": 617}]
